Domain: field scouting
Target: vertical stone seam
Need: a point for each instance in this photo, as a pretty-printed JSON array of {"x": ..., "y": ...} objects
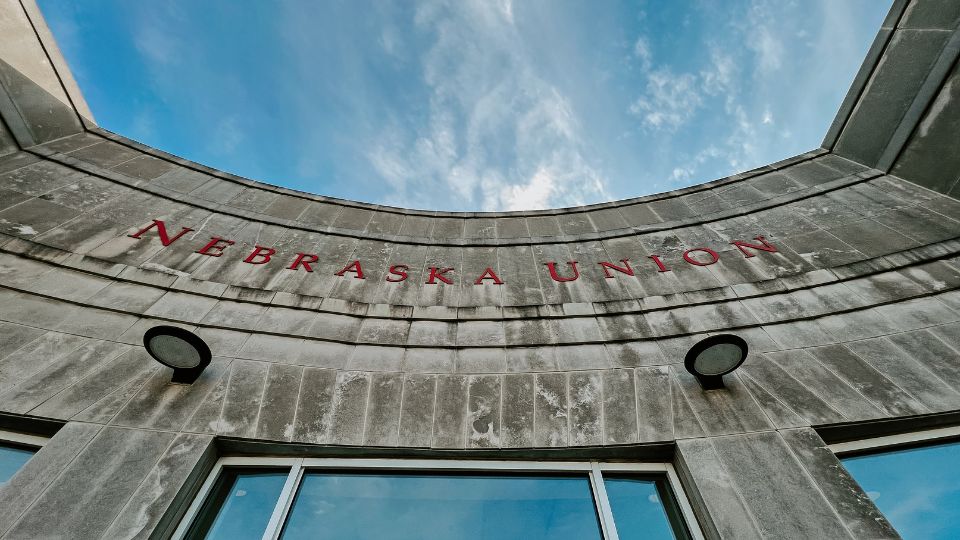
[
  {"x": 366, "y": 404},
  {"x": 150, "y": 374},
  {"x": 742, "y": 374},
  {"x": 603, "y": 406},
  {"x": 881, "y": 374},
  {"x": 503, "y": 388},
  {"x": 496, "y": 256},
  {"x": 533, "y": 423},
  {"x": 921, "y": 364},
  {"x": 263, "y": 394},
  {"x": 142, "y": 481},
  {"x": 802, "y": 385},
  {"x": 55, "y": 478},
  {"x": 846, "y": 382},
  {"x": 56, "y": 358},
  {"x": 403, "y": 388},
  {"x": 102, "y": 362},
  {"x": 213, "y": 387},
  {"x": 223, "y": 404},
  {"x": 815, "y": 485},
  {"x": 296, "y": 407},
  {"x": 420, "y": 284},
  {"x": 737, "y": 489},
  {"x": 460, "y": 295},
  {"x": 433, "y": 416},
  {"x": 569, "y": 434}
]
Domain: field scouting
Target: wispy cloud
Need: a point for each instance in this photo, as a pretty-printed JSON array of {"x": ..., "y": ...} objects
[
  {"x": 497, "y": 134},
  {"x": 670, "y": 100},
  {"x": 470, "y": 104}
]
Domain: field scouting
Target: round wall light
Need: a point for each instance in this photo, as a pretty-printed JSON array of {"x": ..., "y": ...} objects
[
  {"x": 179, "y": 349},
  {"x": 712, "y": 358}
]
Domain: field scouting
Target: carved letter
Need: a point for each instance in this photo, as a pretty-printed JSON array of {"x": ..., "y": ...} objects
[
  {"x": 162, "y": 231},
  {"x": 765, "y": 247},
  {"x": 352, "y": 267},
  {"x": 213, "y": 247},
  {"x": 438, "y": 273},
  {"x": 259, "y": 251},
  {"x": 398, "y": 270},
  {"x": 623, "y": 269},
  {"x": 488, "y": 274},
  {"x": 305, "y": 259},
  {"x": 691, "y": 260},
  {"x": 552, "y": 266},
  {"x": 660, "y": 266}
]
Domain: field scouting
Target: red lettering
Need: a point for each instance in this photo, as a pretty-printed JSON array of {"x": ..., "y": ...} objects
[
  {"x": 765, "y": 247},
  {"x": 488, "y": 274},
  {"x": 691, "y": 260},
  {"x": 305, "y": 259},
  {"x": 398, "y": 270},
  {"x": 352, "y": 267},
  {"x": 552, "y": 266},
  {"x": 259, "y": 251},
  {"x": 625, "y": 269},
  {"x": 438, "y": 273},
  {"x": 660, "y": 266},
  {"x": 213, "y": 247},
  {"x": 162, "y": 231}
]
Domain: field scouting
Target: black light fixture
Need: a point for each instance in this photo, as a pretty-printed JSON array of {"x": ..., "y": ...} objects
[
  {"x": 179, "y": 349},
  {"x": 712, "y": 358}
]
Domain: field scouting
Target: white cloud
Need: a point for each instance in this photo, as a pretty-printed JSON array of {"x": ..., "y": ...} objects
[
  {"x": 497, "y": 134},
  {"x": 228, "y": 135},
  {"x": 641, "y": 50},
  {"x": 763, "y": 38},
  {"x": 767, "y": 117},
  {"x": 670, "y": 100}
]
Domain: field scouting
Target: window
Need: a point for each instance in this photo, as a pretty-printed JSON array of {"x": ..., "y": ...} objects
[
  {"x": 414, "y": 499},
  {"x": 15, "y": 450},
  {"x": 913, "y": 479}
]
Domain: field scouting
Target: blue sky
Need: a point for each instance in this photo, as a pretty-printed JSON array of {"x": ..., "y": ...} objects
[{"x": 469, "y": 104}]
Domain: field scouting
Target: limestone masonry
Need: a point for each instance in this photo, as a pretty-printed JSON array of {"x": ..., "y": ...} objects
[{"x": 345, "y": 329}]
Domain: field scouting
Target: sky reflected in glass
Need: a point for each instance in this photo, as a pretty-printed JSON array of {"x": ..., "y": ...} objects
[
  {"x": 412, "y": 507},
  {"x": 637, "y": 509},
  {"x": 917, "y": 489},
  {"x": 247, "y": 505},
  {"x": 11, "y": 459}
]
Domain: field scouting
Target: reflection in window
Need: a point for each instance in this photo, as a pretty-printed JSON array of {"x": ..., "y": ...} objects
[
  {"x": 11, "y": 459},
  {"x": 639, "y": 509},
  {"x": 240, "y": 505},
  {"x": 917, "y": 489},
  {"x": 412, "y": 507},
  {"x": 389, "y": 504}
]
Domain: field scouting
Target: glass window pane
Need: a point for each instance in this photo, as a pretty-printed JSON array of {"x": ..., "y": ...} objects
[
  {"x": 11, "y": 459},
  {"x": 363, "y": 506},
  {"x": 917, "y": 489},
  {"x": 240, "y": 505},
  {"x": 638, "y": 509}
]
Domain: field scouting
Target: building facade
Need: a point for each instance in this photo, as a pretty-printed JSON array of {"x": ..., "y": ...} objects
[{"x": 391, "y": 355}]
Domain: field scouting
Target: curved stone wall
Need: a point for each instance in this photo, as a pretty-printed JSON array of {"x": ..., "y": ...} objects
[{"x": 346, "y": 327}]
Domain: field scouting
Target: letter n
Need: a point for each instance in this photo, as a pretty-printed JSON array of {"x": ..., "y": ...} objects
[
  {"x": 625, "y": 269},
  {"x": 161, "y": 231},
  {"x": 746, "y": 254}
]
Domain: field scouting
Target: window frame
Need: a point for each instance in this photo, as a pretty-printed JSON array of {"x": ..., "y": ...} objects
[
  {"x": 12, "y": 438},
  {"x": 593, "y": 469},
  {"x": 889, "y": 443}
]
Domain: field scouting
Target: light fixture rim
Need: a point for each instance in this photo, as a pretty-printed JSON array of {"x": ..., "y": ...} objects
[
  {"x": 711, "y": 341},
  {"x": 195, "y": 341}
]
